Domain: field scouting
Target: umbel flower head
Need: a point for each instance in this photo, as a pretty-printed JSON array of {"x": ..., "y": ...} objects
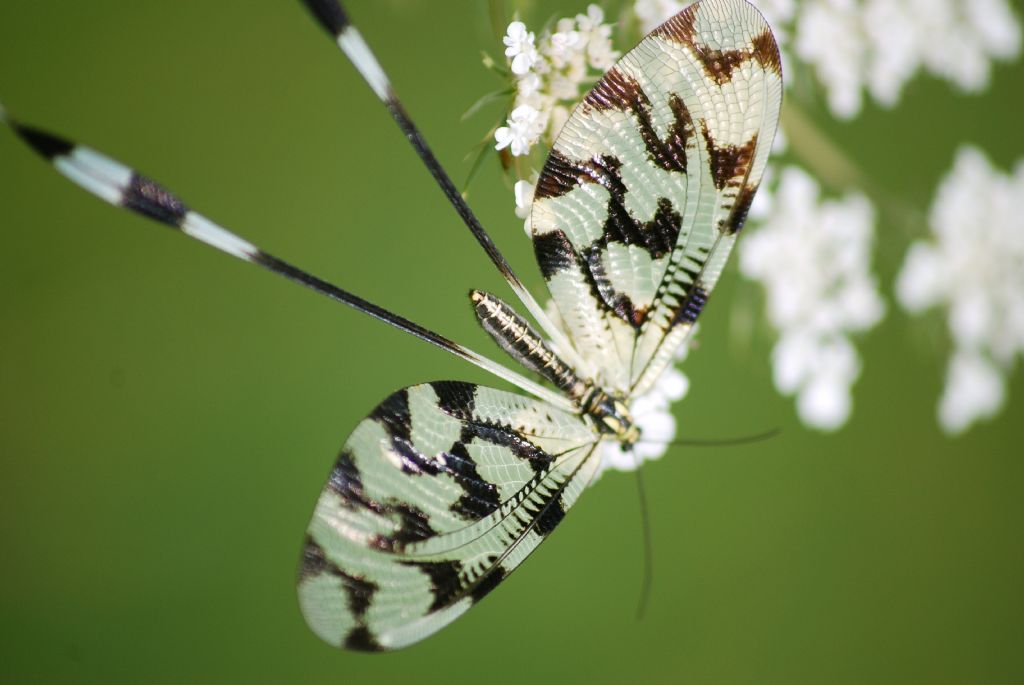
[
  {"x": 549, "y": 74},
  {"x": 879, "y": 45},
  {"x": 973, "y": 267},
  {"x": 813, "y": 259}
]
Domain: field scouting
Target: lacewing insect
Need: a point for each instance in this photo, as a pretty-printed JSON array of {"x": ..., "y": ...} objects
[{"x": 446, "y": 487}]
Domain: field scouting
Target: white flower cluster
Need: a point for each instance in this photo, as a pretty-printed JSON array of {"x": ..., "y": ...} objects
[
  {"x": 813, "y": 258},
  {"x": 974, "y": 267},
  {"x": 879, "y": 45},
  {"x": 548, "y": 75}
]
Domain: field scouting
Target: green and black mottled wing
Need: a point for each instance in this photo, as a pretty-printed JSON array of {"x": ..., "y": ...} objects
[
  {"x": 649, "y": 182},
  {"x": 435, "y": 498}
]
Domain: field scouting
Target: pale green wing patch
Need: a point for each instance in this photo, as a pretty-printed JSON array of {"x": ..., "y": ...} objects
[{"x": 435, "y": 498}]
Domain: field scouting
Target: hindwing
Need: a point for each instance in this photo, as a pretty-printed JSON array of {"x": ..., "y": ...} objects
[{"x": 435, "y": 498}]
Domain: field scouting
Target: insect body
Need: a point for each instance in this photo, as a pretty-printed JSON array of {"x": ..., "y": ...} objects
[
  {"x": 446, "y": 487},
  {"x": 514, "y": 335}
]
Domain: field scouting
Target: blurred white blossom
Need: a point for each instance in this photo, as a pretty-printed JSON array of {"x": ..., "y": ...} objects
[
  {"x": 973, "y": 266},
  {"x": 597, "y": 36},
  {"x": 974, "y": 390},
  {"x": 813, "y": 259},
  {"x": 879, "y": 45},
  {"x": 652, "y": 13}
]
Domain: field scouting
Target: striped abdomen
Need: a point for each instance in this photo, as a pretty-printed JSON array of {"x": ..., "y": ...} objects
[{"x": 514, "y": 335}]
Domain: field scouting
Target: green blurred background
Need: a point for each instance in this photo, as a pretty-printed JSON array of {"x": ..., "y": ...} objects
[{"x": 168, "y": 415}]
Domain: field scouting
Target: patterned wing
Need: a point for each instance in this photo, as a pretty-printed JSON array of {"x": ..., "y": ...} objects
[
  {"x": 436, "y": 496},
  {"x": 649, "y": 182}
]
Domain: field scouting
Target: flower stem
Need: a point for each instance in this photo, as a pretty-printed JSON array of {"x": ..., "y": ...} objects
[{"x": 837, "y": 170}]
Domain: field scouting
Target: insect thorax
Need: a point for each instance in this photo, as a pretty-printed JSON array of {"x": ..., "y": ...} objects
[
  {"x": 611, "y": 416},
  {"x": 609, "y": 413}
]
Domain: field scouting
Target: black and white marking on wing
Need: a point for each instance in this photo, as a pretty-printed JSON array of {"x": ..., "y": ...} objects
[
  {"x": 647, "y": 185},
  {"x": 436, "y": 497}
]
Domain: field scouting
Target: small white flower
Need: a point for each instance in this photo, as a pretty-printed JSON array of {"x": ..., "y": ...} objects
[
  {"x": 562, "y": 46},
  {"x": 563, "y": 87},
  {"x": 560, "y": 63},
  {"x": 592, "y": 20},
  {"x": 525, "y": 125},
  {"x": 529, "y": 85},
  {"x": 600, "y": 54},
  {"x": 673, "y": 384},
  {"x": 550, "y": 72},
  {"x": 559, "y": 115},
  {"x": 519, "y": 47},
  {"x": 973, "y": 267},
  {"x": 596, "y": 39},
  {"x": 523, "y": 191}
]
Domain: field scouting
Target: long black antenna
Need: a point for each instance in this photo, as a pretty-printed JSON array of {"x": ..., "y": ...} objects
[
  {"x": 335, "y": 20},
  {"x": 724, "y": 442},
  {"x": 122, "y": 186},
  {"x": 645, "y": 525}
]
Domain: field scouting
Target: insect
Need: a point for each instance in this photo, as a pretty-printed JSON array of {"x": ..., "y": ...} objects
[{"x": 446, "y": 487}]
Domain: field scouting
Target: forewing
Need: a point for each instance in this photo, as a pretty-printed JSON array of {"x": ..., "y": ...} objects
[
  {"x": 435, "y": 498},
  {"x": 649, "y": 182}
]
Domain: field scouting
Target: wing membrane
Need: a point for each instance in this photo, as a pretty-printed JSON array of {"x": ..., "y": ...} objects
[
  {"x": 435, "y": 498},
  {"x": 650, "y": 180}
]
